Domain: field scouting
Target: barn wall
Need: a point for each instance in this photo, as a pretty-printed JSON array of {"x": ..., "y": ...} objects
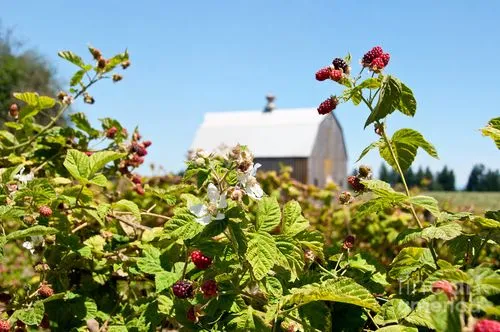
[
  {"x": 299, "y": 166},
  {"x": 328, "y": 158}
]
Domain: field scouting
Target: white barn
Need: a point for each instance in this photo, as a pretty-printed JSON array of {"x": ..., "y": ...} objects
[{"x": 312, "y": 144}]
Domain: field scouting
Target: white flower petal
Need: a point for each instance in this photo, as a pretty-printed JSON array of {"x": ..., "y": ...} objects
[
  {"x": 198, "y": 210},
  {"x": 222, "y": 202},
  {"x": 213, "y": 193},
  {"x": 205, "y": 220},
  {"x": 219, "y": 216},
  {"x": 255, "y": 191},
  {"x": 254, "y": 168}
]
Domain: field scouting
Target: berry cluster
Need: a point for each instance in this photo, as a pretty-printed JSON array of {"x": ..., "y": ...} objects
[
  {"x": 376, "y": 59},
  {"x": 45, "y": 211},
  {"x": 200, "y": 260},
  {"x": 136, "y": 152},
  {"x": 209, "y": 288},
  {"x": 485, "y": 325},
  {"x": 445, "y": 286},
  {"x": 4, "y": 326},
  {"x": 328, "y": 105},
  {"x": 183, "y": 289},
  {"x": 364, "y": 173}
]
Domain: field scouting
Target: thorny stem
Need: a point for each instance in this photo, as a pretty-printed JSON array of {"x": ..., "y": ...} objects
[{"x": 403, "y": 179}]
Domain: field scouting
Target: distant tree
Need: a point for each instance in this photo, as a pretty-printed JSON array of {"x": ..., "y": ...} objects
[
  {"x": 411, "y": 178},
  {"x": 475, "y": 178},
  {"x": 22, "y": 70},
  {"x": 428, "y": 179},
  {"x": 384, "y": 174},
  {"x": 446, "y": 179}
]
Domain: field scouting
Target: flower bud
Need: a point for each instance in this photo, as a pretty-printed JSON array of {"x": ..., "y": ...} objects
[
  {"x": 88, "y": 99},
  {"x": 309, "y": 255},
  {"x": 101, "y": 63},
  {"x": 61, "y": 95},
  {"x": 14, "y": 110},
  {"x": 365, "y": 172},
  {"x": 95, "y": 53},
  {"x": 125, "y": 64},
  {"x": 349, "y": 242},
  {"x": 117, "y": 78},
  {"x": 345, "y": 198}
]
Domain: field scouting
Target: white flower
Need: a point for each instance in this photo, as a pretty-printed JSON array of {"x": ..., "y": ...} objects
[
  {"x": 205, "y": 212},
  {"x": 35, "y": 242},
  {"x": 249, "y": 182},
  {"x": 68, "y": 100},
  {"x": 24, "y": 178}
]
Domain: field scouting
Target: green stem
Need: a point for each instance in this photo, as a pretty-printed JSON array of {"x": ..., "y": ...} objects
[
  {"x": 325, "y": 270},
  {"x": 369, "y": 315},
  {"x": 476, "y": 255}
]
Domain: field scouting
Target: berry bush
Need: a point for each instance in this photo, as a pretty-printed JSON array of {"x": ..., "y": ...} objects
[{"x": 86, "y": 244}]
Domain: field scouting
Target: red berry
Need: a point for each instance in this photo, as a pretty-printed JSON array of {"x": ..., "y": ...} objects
[
  {"x": 111, "y": 132},
  {"x": 4, "y": 326},
  {"x": 327, "y": 106},
  {"x": 445, "y": 286},
  {"x": 377, "y": 51},
  {"x": 323, "y": 74},
  {"x": 386, "y": 57},
  {"x": 136, "y": 179},
  {"x": 139, "y": 149},
  {"x": 45, "y": 291},
  {"x": 191, "y": 315},
  {"x": 486, "y": 325},
  {"x": 183, "y": 289},
  {"x": 209, "y": 288},
  {"x": 372, "y": 55},
  {"x": 377, "y": 64},
  {"x": 349, "y": 242},
  {"x": 147, "y": 144},
  {"x": 45, "y": 211},
  {"x": 336, "y": 75},
  {"x": 139, "y": 189},
  {"x": 201, "y": 261},
  {"x": 89, "y": 153},
  {"x": 355, "y": 183}
]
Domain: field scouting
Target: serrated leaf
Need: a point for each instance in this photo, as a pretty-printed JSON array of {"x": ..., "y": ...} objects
[
  {"x": 485, "y": 281},
  {"x": 100, "y": 212},
  {"x": 78, "y": 165},
  {"x": 426, "y": 202},
  {"x": 183, "y": 226},
  {"x": 384, "y": 190},
  {"x": 99, "y": 180},
  {"x": 486, "y": 223},
  {"x": 389, "y": 96},
  {"x": 344, "y": 290},
  {"x": 293, "y": 221},
  {"x": 72, "y": 57},
  {"x": 369, "y": 148},
  {"x": 407, "y": 103},
  {"x": 312, "y": 240},
  {"x": 493, "y": 130},
  {"x": 99, "y": 159},
  {"x": 445, "y": 232},
  {"x": 261, "y": 253},
  {"x": 373, "y": 206},
  {"x": 393, "y": 312},
  {"x": 315, "y": 316},
  {"x": 409, "y": 260},
  {"x": 164, "y": 280},
  {"x": 453, "y": 275},
  {"x": 150, "y": 262},
  {"x": 268, "y": 214},
  {"x": 397, "y": 328},
  {"x": 32, "y": 231},
  {"x": 408, "y": 235},
  {"x": 81, "y": 122},
  {"x": 273, "y": 286},
  {"x": 30, "y": 98},
  {"x": 290, "y": 256},
  {"x": 165, "y": 305},
  {"x": 96, "y": 244},
  {"x": 77, "y": 77},
  {"x": 31, "y": 316},
  {"x": 243, "y": 321},
  {"x": 126, "y": 205},
  {"x": 405, "y": 143},
  {"x": 436, "y": 312}
]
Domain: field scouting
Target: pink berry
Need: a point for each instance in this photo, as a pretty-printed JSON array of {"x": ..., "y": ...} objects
[
  {"x": 4, "y": 326},
  {"x": 327, "y": 106},
  {"x": 336, "y": 75},
  {"x": 323, "y": 74},
  {"x": 486, "y": 325},
  {"x": 45, "y": 211},
  {"x": 377, "y": 64},
  {"x": 444, "y": 286},
  {"x": 200, "y": 260}
]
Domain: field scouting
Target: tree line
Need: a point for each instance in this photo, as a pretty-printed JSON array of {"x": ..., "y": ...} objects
[{"x": 480, "y": 178}]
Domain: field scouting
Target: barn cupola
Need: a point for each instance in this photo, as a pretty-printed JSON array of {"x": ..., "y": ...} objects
[{"x": 270, "y": 103}]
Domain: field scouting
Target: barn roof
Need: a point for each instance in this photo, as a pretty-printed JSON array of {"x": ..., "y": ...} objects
[{"x": 280, "y": 133}]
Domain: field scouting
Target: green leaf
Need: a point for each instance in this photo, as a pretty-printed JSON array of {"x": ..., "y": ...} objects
[
  {"x": 77, "y": 77},
  {"x": 370, "y": 147},
  {"x": 373, "y": 206},
  {"x": 436, "y": 312},
  {"x": 495, "y": 215},
  {"x": 96, "y": 244},
  {"x": 290, "y": 256},
  {"x": 409, "y": 260},
  {"x": 397, "y": 328},
  {"x": 405, "y": 143},
  {"x": 452, "y": 274},
  {"x": 273, "y": 286},
  {"x": 165, "y": 305},
  {"x": 116, "y": 60},
  {"x": 72, "y": 57},
  {"x": 408, "y": 235},
  {"x": 493, "y": 130},
  {"x": 128, "y": 206},
  {"x": 445, "y": 232},
  {"x": 32, "y": 231},
  {"x": 485, "y": 281},
  {"x": 486, "y": 223},
  {"x": 30, "y": 98},
  {"x": 390, "y": 92},
  {"x": 407, "y": 103},
  {"x": 165, "y": 280},
  {"x": 268, "y": 214},
  {"x": 243, "y": 321},
  {"x": 370, "y": 83},
  {"x": 384, "y": 190},
  {"x": 31, "y": 316},
  {"x": 261, "y": 253},
  {"x": 99, "y": 180},
  {"x": 315, "y": 316},
  {"x": 78, "y": 165},
  {"x": 344, "y": 290},
  {"x": 393, "y": 312},
  {"x": 293, "y": 221},
  {"x": 183, "y": 226},
  {"x": 426, "y": 202},
  {"x": 150, "y": 262},
  {"x": 312, "y": 240},
  {"x": 82, "y": 123},
  {"x": 99, "y": 159}
]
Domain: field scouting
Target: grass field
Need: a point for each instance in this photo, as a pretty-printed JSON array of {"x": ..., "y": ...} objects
[{"x": 467, "y": 201}]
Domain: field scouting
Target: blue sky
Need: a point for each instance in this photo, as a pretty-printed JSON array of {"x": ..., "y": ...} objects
[{"x": 192, "y": 57}]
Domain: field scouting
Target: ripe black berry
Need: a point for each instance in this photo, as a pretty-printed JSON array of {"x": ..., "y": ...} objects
[
  {"x": 339, "y": 63},
  {"x": 183, "y": 289}
]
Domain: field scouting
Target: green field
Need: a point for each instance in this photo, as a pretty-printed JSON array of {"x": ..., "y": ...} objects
[{"x": 467, "y": 201}]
